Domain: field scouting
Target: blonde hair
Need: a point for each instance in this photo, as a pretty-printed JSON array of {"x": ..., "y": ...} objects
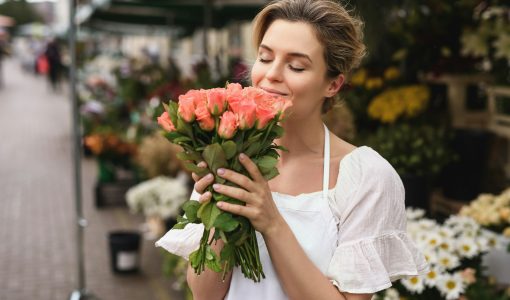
[{"x": 340, "y": 34}]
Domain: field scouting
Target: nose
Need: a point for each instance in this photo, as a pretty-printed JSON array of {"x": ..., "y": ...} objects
[{"x": 275, "y": 72}]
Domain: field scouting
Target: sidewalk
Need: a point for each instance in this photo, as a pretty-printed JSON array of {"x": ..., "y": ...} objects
[{"x": 37, "y": 242}]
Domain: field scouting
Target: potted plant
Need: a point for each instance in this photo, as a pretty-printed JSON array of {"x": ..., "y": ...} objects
[{"x": 159, "y": 199}]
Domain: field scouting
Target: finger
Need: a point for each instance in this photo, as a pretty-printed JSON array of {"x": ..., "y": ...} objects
[
  {"x": 205, "y": 197},
  {"x": 251, "y": 167},
  {"x": 233, "y": 192},
  {"x": 194, "y": 175},
  {"x": 237, "y": 178},
  {"x": 203, "y": 183},
  {"x": 239, "y": 210}
]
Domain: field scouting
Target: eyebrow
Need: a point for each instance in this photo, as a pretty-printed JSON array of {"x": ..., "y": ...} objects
[{"x": 295, "y": 54}]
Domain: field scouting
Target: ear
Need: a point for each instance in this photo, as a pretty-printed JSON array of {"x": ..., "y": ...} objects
[{"x": 335, "y": 85}]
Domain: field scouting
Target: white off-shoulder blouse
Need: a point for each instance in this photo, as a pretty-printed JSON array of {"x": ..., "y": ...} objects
[{"x": 354, "y": 233}]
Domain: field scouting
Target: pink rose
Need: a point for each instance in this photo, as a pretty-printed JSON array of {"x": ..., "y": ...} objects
[
  {"x": 165, "y": 122},
  {"x": 246, "y": 111},
  {"x": 216, "y": 101},
  {"x": 234, "y": 93},
  {"x": 204, "y": 117},
  {"x": 187, "y": 107},
  {"x": 281, "y": 105},
  {"x": 264, "y": 105},
  {"x": 228, "y": 125}
]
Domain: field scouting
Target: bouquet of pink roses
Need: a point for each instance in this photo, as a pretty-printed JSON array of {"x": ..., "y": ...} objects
[{"x": 215, "y": 126}]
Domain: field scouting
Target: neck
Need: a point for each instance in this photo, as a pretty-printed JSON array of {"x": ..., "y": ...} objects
[{"x": 302, "y": 137}]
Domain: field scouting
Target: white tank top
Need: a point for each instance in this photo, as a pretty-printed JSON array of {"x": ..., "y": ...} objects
[{"x": 312, "y": 222}]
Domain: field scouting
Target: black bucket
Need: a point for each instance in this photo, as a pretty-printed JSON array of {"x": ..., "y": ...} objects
[{"x": 124, "y": 251}]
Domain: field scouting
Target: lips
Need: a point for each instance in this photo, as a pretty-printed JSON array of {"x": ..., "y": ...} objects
[{"x": 274, "y": 92}]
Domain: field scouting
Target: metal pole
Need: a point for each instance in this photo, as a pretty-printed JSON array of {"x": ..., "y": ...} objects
[{"x": 80, "y": 293}]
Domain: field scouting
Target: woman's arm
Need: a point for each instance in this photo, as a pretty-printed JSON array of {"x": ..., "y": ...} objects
[
  {"x": 209, "y": 285},
  {"x": 300, "y": 278}
]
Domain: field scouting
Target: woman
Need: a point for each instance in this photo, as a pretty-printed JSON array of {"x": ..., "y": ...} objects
[{"x": 345, "y": 240}]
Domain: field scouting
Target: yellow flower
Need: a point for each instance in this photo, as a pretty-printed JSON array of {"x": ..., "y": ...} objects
[
  {"x": 506, "y": 232},
  {"x": 391, "y": 73},
  {"x": 391, "y": 104},
  {"x": 373, "y": 83},
  {"x": 359, "y": 77},
  {"x": 504, "y": 213}
]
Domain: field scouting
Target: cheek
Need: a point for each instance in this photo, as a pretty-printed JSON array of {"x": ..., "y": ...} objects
[{"x": 257, "y": 73}]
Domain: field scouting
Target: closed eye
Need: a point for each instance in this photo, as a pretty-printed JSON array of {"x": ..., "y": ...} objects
[{"x": 296, "y": 69}]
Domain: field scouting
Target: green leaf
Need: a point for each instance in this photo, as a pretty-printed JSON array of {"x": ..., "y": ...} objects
[
  {"x": 208, "y": 212},
  {"x": 180, "y": 225},
  {"x": 266, "y": 163},
  {"x": 212, "y": 260},
  {"x": 184, "y": 128},
  {"x": 230, "y": 149},
  {"x": 255, "y": 137},
  {"x": 252, "y": 149},
  {"x": 194, "y": 258},
  {"x": 189, "y": 155},
  {"x": 225, "y": 222},
  {"x": 181, "y": 139},
  {"x": 172, "y": 135},
  {"x": 214, "y": 156},
  {"x": 190, "y": 209},
  {"x": 194, "y": 168},
  {"x": 281, "y": 148},
  {"x": 272, "y": 153},
  {"x": 277, "y": 130},
  {"x": 271, "y": 174},
  {"x": 172, "y": 111},
  {"x": 239, "y": 140},
  {"x": 223, "y": 236},
  {"x": 227, "y": 251}
]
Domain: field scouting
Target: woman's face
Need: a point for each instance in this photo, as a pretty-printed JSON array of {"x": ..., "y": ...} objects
[{"x": 290, "y": 63}]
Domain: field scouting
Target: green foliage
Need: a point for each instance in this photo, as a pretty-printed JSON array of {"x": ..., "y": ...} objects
[
  {"x": 21, "y": 11},
  {"x": 419, "y": 150}
]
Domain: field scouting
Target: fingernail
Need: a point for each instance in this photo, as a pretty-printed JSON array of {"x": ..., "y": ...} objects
[
  {"x": 242, "y": 156},
  {"x": 219, "y": 204},
  {"x": 221, "y": 171},
  {"x": 216, "y": 186},
  {"x": 210, "y": 176}
]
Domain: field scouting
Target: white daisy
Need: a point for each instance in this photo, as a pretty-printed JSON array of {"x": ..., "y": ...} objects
[
  {"x": 447, "y": 245},
  {"x": 447, "y": 260},
  {"x": 414, "y": 213},
  {"x": 391, "y": 294},
  {"x": 433, "y": 239},
  {"x": 432, "y": 277},
  {"x": 414, "y": 284},
  {"x": 451, "y": 286},
  {"x": 427, "y": 224},
  {"x": 430, "y": 255},
  {"x": 467, "y": 247}
]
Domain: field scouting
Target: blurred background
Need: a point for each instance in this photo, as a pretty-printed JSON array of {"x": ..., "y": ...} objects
[{"x": 88, "y": 184}]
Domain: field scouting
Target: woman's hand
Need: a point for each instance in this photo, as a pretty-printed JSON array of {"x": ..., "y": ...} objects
[
  {"x": 201, "y": 183},
  {"x": 260, "y": 208}
]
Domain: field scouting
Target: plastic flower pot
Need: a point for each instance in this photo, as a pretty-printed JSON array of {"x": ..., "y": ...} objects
[{"x": 124, "y": 251}]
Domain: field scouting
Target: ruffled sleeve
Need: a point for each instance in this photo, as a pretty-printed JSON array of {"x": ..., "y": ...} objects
[
  {"x": 183, "y": 242},
  {"x": 373, "y": 248}
]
